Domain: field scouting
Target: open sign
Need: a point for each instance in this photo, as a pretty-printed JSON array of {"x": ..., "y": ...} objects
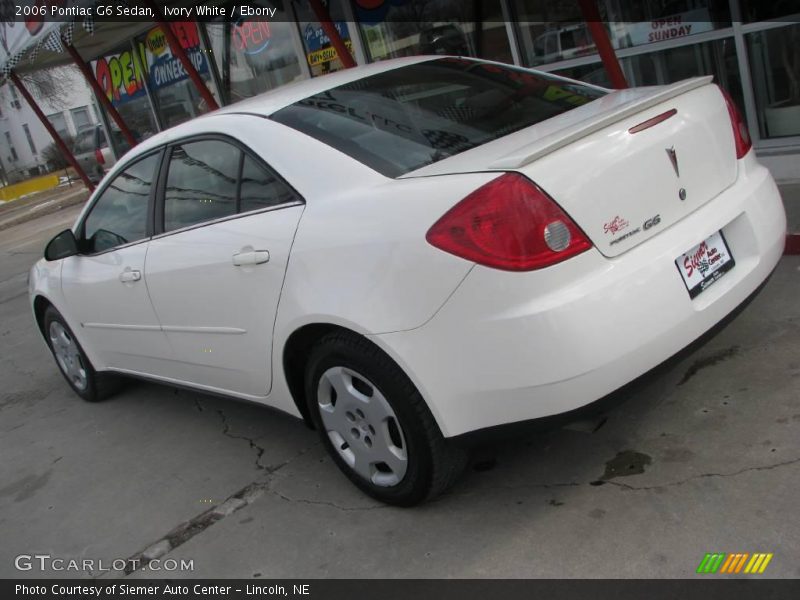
[{"x": 251, "y": 37}]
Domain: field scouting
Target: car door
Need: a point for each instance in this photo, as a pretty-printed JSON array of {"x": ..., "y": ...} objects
[
  {"x": 215, "y": 272},
  {"x": 104, "y": 286}
]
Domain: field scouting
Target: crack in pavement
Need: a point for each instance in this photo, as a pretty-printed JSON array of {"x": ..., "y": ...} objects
[
  {"x": 628, "y": 487},
  {"x": 226, "y": 431},
  {"x": 327, "y": 503},
  {"x": 680, "y": 482},
  {"x": 188, "y": 529},
  {"x": 524, "y": 486}
]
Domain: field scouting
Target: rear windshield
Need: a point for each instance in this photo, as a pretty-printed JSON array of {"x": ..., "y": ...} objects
[{"x": 406, "y": 118}]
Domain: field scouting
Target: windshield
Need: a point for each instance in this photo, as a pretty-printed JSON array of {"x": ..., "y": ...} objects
[{"x": 400, "y": 120}]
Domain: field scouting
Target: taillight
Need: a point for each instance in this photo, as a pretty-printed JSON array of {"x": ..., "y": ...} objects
[
  {"x": 740, "y": 133},
  {"x": 99, "y": 156},
  {"x": 510, "y": 224}
]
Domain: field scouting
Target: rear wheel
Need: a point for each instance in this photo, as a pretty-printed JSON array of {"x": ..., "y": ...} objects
[
  {"x": 73, "y": 362},
  {"x": 374, "y": 423}
]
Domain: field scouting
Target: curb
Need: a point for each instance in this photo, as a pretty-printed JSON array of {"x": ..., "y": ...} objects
[{"x": 49, "y": 207}]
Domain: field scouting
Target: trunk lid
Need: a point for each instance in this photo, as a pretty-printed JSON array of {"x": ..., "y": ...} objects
[{"x": 621, "y": 187}]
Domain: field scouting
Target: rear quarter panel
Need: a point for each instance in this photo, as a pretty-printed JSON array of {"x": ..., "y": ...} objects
[
  {"x": 360, "y": 261},
  {"x": 360, "y": 258}
]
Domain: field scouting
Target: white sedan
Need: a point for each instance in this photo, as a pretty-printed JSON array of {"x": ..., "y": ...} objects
[{"x": 407, "y": 252}]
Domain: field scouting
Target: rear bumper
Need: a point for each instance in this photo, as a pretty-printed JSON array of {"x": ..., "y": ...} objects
[{"x": 510, "y": 347}]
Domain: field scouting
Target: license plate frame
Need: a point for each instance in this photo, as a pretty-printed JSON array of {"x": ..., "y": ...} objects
[{"x": 693, "y": 265}]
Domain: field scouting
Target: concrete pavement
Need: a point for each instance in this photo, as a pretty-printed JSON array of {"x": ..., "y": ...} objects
[
  {"x": 704, "y": 457},
  {"x": 40, "y": 204}
]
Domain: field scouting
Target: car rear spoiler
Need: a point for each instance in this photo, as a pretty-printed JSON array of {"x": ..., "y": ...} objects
[{"x": 558, "y": 139}]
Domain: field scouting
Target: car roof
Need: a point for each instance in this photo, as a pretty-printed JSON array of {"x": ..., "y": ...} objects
[{"x": 269, "y": 102}]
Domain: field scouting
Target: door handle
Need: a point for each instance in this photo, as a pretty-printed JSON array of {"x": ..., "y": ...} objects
[
  {"x": 128, "y": 276},
  {"x": 252, "y": 257}
]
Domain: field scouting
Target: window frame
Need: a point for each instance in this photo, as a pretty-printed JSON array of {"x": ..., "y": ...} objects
[
  {"x": 29, "y": 136},
  {"x": 13, "y": 151},
  {"x": 81, "y": 110},
  {"x": 158, "y": 224},
  {"x": 148, "y": 231}
]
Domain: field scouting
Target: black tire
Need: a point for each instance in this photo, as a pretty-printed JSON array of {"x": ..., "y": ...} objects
[
  {"x": 99, "y": 386},
  {"x": 433, "y": 463}
]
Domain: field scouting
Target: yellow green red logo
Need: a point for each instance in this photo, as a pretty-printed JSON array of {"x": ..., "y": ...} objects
[{"x": 736, "y": 562}]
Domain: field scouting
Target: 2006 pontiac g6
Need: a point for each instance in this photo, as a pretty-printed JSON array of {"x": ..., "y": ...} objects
[{"x": 409, "y": 251}]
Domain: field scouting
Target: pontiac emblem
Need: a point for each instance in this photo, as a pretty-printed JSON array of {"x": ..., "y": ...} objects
[{"x": 673, "y": 158}]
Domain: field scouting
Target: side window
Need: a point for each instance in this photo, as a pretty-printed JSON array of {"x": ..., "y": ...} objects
[
  {"x": 201, "y": 183},
  {"x": 120, "y": 214},
  {"x": 261, "y": 188}
]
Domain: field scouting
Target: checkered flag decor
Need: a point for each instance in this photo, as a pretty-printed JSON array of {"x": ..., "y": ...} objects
[
  {"x": 13, "y": 61},
  {"x": 88, "y": 24},
  {"x": 34, "y": 53},
  {"x": 67, "y": 33},
  {"x": 53, "y": 42}
]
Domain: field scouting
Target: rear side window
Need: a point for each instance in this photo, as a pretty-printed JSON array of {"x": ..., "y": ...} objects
[
  {"x": 201, "y": 183},
  {"x": 261, "y": 188},
  {"x": 406, "y": 118},
  {"x": 211, "y": 179}
]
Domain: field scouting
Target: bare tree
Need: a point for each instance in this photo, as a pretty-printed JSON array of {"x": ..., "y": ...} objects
[
  {"x": 53, "y": 155},
  {"x": 49, "y": 86}
]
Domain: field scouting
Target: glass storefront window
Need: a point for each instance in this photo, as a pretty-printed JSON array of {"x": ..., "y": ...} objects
[
  {"x": 174, "y": 94},
  {"x": 717, "y": 58},
  {"x": 254, "y": 55},
  {"x": 320, "y": 53},
  {"x": 555, "y": 31},
  {"x": 594, "y": 73},
  {"x": 775, "y": 69},
  {"x": 411, "y": 27},
  {"x": 759, "y": 10},
  {"x": 120, "y": 76}
]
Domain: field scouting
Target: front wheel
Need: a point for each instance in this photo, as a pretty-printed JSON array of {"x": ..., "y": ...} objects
[
  {"x": 375, "y": 424},
  {"x": 73, "y": 362}
]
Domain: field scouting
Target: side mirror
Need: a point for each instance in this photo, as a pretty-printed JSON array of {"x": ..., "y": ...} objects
[
  {"x": 61, "y": 246},
  {"x": 105, "y": 240}
]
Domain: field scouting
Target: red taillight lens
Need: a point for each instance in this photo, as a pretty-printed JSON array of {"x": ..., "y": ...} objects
[
  {"x": 99, "y": 156},
  {"x": 509, "y": 224},
  {"x": 740, "y": 133}
]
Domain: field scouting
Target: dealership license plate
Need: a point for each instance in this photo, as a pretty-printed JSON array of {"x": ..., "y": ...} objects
[{"x": 705, "y": 263}]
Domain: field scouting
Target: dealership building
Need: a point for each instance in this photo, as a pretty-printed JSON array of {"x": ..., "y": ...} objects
[{"x": 751, "y": 47}]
